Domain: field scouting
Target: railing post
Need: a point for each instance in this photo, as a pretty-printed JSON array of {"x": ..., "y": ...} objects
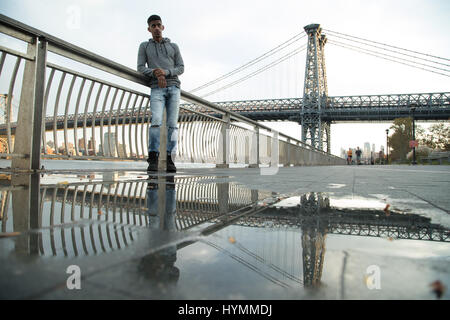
[
  {"x": 254, "y": 155},
  {"x": 29, "y": 121},
  {"x": 223, "y": 192},
  {"x": 224, "y": 145},
  {"x": 247, "y": 150},
  {"x": 236, "y": 150},
  {"x": 254, "y": 195},
  {"x": 274, "y": 152},
  {"x": 25, "y": 210},
  {"x": 288, "y": 153}
]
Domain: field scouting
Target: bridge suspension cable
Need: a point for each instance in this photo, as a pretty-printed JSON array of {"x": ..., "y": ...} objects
[
  {"x": 339, "y": 35},
  {"x": 388, "y": 55},
  {"x": 384, "y": 56},
  {"x": 248, "y": 265},
  {"x": 266, "y": 55},
  {"x": 268, "y": 263},
  {"x": 262, "y": 69}
]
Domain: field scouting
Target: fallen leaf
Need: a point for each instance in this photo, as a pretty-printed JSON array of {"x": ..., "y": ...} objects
[
  {"x": 386, "y": 210},
  {"x": 367, "y": 280},
  {"x": 99, "y": 212},
  {"x": 231, "y": 240},
  {"x": 390, "y": 239},
  {"x": 63, "y": 182}
]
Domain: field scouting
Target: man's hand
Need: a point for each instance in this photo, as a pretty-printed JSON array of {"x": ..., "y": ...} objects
[
  {"x": 159, "y": 73},
  {"x": 162, "y": 82}
]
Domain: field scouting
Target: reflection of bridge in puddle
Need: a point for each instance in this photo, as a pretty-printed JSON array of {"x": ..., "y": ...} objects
[{"x": 89, "y": 218}]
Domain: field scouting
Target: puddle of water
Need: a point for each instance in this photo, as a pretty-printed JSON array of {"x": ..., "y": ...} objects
[
  {"x": 352, "y": 202},
  {"x": 259, "y": 245},
  {"x": 285, "y": 251},
  {"x": 336, "y": 185}
]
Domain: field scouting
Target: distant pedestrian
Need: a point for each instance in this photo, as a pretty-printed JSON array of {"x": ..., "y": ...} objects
[
  {"x": 349, "y": 156},
  {"x": 164, "y": 65},
  {"x": 381, "y": 157},
  {"x": 358, "y": 155}
]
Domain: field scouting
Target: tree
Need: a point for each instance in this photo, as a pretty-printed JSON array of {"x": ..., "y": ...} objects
[
  {"x": 399, "y": 140},
  {"x": 437, "y": 137}
]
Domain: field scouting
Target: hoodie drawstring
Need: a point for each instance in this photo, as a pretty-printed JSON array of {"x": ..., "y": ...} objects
[{"x": 156, "y": 49}]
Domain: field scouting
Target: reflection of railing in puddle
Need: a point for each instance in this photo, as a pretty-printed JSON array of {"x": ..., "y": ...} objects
[{"x": 103, "y": 217}]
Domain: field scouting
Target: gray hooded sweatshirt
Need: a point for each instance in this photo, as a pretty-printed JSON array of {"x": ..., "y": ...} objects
[{"x": 164, "y": 55}]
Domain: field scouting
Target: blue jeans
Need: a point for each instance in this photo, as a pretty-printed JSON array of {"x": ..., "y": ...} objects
[{"x": 161, "y": 98}]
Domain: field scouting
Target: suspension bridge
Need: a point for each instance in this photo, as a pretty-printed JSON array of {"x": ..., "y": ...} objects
[{"x": 107, "y": 106}]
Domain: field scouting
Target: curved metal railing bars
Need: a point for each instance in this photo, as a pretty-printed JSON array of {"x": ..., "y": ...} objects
[
  {"x": 120, "y": 209},
  {"x": 201, "y": 131},
  {"x": 237, "y": 117},
  {"x": 8, "y": 98}
]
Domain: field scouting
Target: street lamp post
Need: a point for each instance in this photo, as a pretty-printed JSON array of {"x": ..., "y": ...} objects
[
  {"x": 413, "y": 108},
  {"x": 387, "y": 146}
]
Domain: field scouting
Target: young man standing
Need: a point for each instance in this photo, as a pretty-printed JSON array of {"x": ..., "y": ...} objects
[{"x": 164, "y": 65}]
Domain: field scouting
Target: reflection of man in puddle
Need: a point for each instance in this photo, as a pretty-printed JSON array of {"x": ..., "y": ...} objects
[{"x": 160, "y": 266}]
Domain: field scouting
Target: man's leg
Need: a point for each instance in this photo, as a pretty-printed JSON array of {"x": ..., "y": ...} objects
[
  {"x": 172, "y": 107},
  {"x": 157, "y": 101}
]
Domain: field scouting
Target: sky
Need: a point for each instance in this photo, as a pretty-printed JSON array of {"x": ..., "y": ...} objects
[{"x": 216, "y": 37}]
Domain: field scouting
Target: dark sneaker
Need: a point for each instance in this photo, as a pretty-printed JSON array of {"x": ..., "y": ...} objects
[
  {"x": 170, "y": 165},
  {"x": 153, "y": 161}
]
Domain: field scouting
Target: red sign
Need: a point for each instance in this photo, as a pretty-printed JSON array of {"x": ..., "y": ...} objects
[{"x": 413, "y": 143}]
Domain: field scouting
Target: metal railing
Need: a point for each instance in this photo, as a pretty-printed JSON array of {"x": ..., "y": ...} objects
[{"x": 64, "y": 113}]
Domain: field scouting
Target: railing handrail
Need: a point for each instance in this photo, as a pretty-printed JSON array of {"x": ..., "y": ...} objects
[{"x": 81, "y": 55}]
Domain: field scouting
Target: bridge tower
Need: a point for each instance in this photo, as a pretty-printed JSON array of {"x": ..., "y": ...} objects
[{"x": 315, "y": 91}]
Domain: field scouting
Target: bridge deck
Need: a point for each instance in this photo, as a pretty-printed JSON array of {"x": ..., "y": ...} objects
[
  {"x": 429, "y": 106},
  {"x": 135, "y": 236}
]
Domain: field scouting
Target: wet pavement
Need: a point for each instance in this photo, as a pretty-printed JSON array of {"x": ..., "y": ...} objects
[{"x": 370, "y": 232}]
